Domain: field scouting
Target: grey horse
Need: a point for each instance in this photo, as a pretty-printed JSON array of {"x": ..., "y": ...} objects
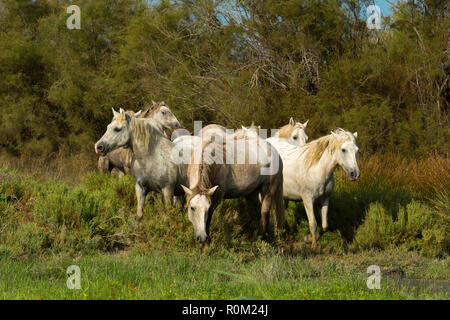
[
  {"x": 152, "y": 164},
  {"x": 213, "y": 177},
  {"x": 118, "y": 161}
]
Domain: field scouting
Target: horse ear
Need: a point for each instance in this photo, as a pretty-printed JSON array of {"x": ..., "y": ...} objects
[
  {"x": 244, "y": 128},
  {"x": 291, "y": 121},
  {"x": 145, "y": 114},
  {"x": 153, "y": 102},
  {"x": 121, "y": 111},
  {"x": 138, "y": 113},
  {"x": 187, "y": 190},
  {"x": 212, "y": 190},
  {"x": 355, "y": 134},
  {"x": 305, "y": 124},
  {"x": 115, "y": 113}
]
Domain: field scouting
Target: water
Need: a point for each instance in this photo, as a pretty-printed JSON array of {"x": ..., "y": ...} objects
[{"x": 420, "y": 285}]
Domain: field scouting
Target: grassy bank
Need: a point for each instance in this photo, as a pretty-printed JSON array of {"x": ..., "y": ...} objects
[{"x": 395, "y": 216}]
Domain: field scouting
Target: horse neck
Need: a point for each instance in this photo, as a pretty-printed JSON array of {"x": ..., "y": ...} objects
[
  {"x": 329, "y": 163},
  {"x": 326, "y": 164},
  {"x": 201, "y": 173},
  {"x": 144, "y": 144}
]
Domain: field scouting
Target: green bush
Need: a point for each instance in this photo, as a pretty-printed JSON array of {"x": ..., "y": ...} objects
[
  {"x": 415, "y": 226},
  {"x": 99, "y": 214}
]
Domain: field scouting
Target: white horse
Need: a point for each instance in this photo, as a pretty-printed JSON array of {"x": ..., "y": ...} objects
[
  {"x": 294, "y": 132},
  {"x": 308, "y": 172}
]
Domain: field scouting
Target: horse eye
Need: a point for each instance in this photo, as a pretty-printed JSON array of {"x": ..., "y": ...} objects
[
  {"x": 192, "y": 209},
  {"x": 343, "y": 150},
  {"x": 117, "y": 129},
  {"x": 295, "y": 137},
  {"x": 163, "y": 113}
]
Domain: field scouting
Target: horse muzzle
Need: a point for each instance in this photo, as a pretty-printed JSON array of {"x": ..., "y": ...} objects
[
  {"x": 177, "y": 125},
  {"x": 201, "y": 238},
  {"x": 101, "y": 148},
  {"x": 353, "y": 175}
]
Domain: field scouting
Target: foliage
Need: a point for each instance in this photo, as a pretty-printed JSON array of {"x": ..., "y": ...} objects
[{"x": 229, "y": 62}]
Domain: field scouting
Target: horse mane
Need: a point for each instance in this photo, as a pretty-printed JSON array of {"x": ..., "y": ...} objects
[
  {"x": 151, "y": 110},
  {"x": 145, "y": 114},
  {"x": 286, "y": 130},
  {"x": 206, "y": 171},
  {"x": 244, "y": 132},
  {"x": 144, "y": 130},
  {"x": 315, "y": 149}
]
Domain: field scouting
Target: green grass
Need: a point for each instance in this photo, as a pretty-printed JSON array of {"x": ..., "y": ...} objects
[
  {"x": 45, "y": 226},
  {"x": 175, "y": 275}
]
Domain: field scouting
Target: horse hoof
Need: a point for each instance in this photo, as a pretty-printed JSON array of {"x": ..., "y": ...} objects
[
  {"x": 308, "y": 238},
  {"x": 137, "y": 222}
]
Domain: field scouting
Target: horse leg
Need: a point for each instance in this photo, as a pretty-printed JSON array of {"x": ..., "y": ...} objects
[
  {"x": 265, "y": 210},
  {"x": 324, "y": 213},
  {"x": 280, "y": 206},
  {"x": 168, "y": 195},
  {"x": 141, "y": 193},
  {"x": 254, "y": 200},
  {"x": 178, "y": 201},
  {"x": 103, "y": 164},
  {"x": 117, "y": 172},
  {"x": 127, "y": 170},
  {"x": 308, "y": 203}
]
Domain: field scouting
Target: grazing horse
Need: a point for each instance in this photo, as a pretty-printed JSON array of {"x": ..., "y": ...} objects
[
  {"x": 294, "y": 132},
  {"x": 152, "y": 164},
  {"x": 213, "y": 177},
  {"x": 119, "y": 161},
  {"x": 308, "y": 172}
]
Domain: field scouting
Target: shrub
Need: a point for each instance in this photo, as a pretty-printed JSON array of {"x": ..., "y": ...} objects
[{"x": 416, "y": 226}]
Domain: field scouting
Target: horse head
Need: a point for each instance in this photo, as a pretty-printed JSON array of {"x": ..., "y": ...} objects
[
  {"x": 162, "y": 113},
  {"x": 117, "y": 133},
  {"x": 295, "y": 132},
  {"x": 199, "y": 203},
  {"x": 347, "y": 152}
]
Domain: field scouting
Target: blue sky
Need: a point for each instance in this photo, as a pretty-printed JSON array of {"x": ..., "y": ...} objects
[{"x": 384, "y": 6}]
